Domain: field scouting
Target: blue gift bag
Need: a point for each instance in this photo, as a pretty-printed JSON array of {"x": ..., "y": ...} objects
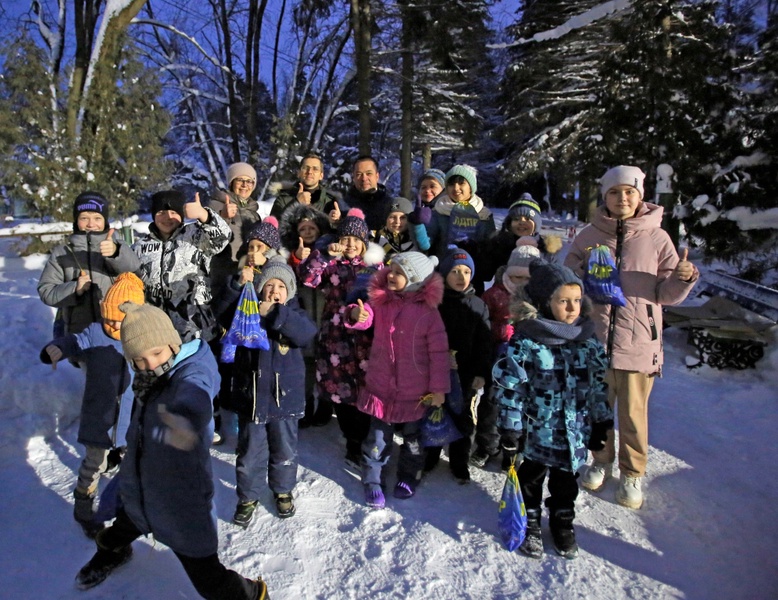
[
  {"x": 512, "y": 516},
  {"x": 246, "y": 329}
]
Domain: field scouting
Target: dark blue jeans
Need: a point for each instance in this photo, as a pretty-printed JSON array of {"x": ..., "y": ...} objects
[
  {"x": 266, "y": 452},
  {"x": 377, "y": 448}
]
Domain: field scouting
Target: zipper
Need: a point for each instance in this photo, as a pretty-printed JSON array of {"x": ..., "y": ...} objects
[{"x": 614, "y": 309}]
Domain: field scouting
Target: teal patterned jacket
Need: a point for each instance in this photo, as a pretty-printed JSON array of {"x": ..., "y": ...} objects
[{"x": 553, "y": 394}]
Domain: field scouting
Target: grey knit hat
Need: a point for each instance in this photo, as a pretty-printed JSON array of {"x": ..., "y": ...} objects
[
  {"x": 417, "y": 267},
  {"x": 523, "y": 254},
  {"x": 466, "y": 171},
  {"x": 622, "y": 175},
  {"x": 402, "y": 205},
  {"x": 278, "y": 269},
  {"x": 435, "y": 174},
  {"x": 146, "y": 327}
]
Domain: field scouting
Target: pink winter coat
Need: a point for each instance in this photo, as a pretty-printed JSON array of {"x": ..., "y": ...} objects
[
  {"x": 647, "y": 262},
  {"x": 409, "y": 356}
]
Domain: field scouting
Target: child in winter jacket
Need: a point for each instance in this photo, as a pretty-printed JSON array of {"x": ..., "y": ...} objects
[
  {"x": 550, "y": 388},
  {"x": 107, "y": 400},
  {"x": 78, "y": 274},
  {"x": 269, "y": 395},
  {"x": 497, "y": 298},
  {"x": 408, "y": 361},
  {"x": 341, "y": 354},
  {"x": 166, "y": 484},
  {"x": 400, "y": 235},
  {"x": 469, "y": 339}
]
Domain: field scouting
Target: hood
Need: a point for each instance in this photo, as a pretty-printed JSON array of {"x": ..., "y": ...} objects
[
  {"x": 431, "y": 293},
  {"x": 521, "y": 309},
  {"x": 290, "y": 219},
  {"x": 649, "y": 216}
]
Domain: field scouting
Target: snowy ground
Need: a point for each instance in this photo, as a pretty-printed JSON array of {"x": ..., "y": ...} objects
[{"x": 707, "y": 530}]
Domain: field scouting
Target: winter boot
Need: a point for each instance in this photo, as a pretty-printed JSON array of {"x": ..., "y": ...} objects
[
  {"x": 431, "y": 458},
  {"x": 244, "y": 512},
  {"x": 84, "y": 513},
  {"x": 532, "y": 545},
  {"x": 323, "y": 413},
  {"x": 461, "y": 473},
  {"x": 596, "y": 475},
  {"x": 103, "y": 563},
  {"x": 630, "y": 493},
  {"x": 374, "y": 496},
  {"x": 285, "y": 505},
  {"x": 404, "y": 489},
  {"x": 480, "y": 457},
  {"x": 563, "y": 532}
]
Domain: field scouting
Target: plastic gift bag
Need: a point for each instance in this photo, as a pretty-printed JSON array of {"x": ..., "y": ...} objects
[
  {"x": 438, "y": 428},
  {"x": 601, "y": 280},
  {"x": 246, "y": 329},
  {"x": 512, "y": 516}
]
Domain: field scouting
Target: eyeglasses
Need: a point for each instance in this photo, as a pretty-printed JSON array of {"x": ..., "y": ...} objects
[
  {"x": 306, "y": 169},
  {"x": 242, "y": 181}
]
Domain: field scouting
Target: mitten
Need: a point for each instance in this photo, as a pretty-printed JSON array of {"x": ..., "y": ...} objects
[
  {"x": 421, "y": 215},
  {"x": 599, "y": 435}
]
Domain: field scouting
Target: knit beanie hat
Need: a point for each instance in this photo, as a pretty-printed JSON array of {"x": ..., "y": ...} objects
[
  {"x": 545, "y": 278},
  {"x": 278, "y": 269},
  {"x": 453, "y": 257},
  {"x": 435, "y": 174},
  {"x": 417, "y": 267},
  {"x": 402, "y": 205},
  {"x": 128, "y": 287},
  {"x": 146, "y": 327},
  {"x": 525, "y": 206},
  {"x": 523, "y": 254},
  {"x": 91, "y": 202},
  {"x": 266, "y": 232},
  {"x": 466, "y": 171},
  {"x": 168, "y": 200},
  {"x": 240, "y": 169},
  {"x": 354, "y": 224},
  {"x": 622, "y": 175}
]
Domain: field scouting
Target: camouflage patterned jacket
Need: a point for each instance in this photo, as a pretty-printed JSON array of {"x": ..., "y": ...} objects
[{"x": 550, "y": 386}]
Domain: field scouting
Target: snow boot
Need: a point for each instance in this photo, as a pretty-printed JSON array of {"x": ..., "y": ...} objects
[
  {"x": 84, "y": 513},
  {"x": 563, "y": 532},
  {"x": 596, "y": 475},
  {"x": 461, "y": 473},
  {"x": 480, "y": 457},
  {"x": 404, "y": 489},
  {"x": 374, "y": 496},
  {"x": 102, "y": 564},
  {"x": 285, "y": 507},
  {"x": 510, "y": 456},
  {"x": 630, "y": 493},
  {"x": 244, "y": 512},
  {"x": 532, "y": 545}
]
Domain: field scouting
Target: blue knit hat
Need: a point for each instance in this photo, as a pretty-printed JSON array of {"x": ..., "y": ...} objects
[
  {"x": 266, "y": 232},
  {"x": 469, "y": 173},
  {"x": 545, "y": 278},
  {"x": 455, "y": 256},
  {"x": 417, "y": 267},
  {"x": 354, "y": 224},
  {"x": 525, "y": 206},
  {"x": 435, "y": 174}
]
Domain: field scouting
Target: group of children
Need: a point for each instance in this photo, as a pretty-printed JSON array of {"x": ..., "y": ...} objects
[{"x": 381, "y": 333}]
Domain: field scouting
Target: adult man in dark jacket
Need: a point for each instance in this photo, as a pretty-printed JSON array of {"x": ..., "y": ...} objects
[
  {"x": 367, "y": 194},
  {"x": 308, "y": 189}
]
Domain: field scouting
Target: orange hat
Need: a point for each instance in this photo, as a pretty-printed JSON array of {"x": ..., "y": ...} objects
[{"x": 127, "y": 288}]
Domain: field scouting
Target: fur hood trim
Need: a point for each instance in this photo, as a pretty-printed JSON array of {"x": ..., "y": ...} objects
[
  {"x": 431, "y": 293},
  {"x": 290, "y": 219},
  {"x": 552, "y": 243}
]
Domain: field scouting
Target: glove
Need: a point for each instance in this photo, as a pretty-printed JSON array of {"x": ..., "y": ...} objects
[
  {"x": 599, "y": 435},
  {"x": 421, "y": 215}
]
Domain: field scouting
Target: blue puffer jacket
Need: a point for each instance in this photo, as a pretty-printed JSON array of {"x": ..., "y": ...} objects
[
  {"x": 269, "y": 385},
  {"x": 166, "y": 491},
  {"x": 553, "y": 392}
]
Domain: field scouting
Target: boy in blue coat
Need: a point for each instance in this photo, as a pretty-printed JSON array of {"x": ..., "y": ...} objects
[
  {"x": 269, "y": 395},
  {"x": 550, "y": 388},
  {"x": 107, "y": 400}
]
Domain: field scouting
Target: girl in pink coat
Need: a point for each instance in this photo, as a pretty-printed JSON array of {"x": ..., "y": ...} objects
[{"x": 408, "y": 361}]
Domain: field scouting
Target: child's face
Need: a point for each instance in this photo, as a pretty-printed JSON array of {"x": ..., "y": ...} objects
[
  {"x": 622, "y": 201},
  {"x": 428, "y": 189},
  {"x": 396, "y": 279},
  {"x": 167, "y": 221},
  {"x": 459, "y": 192},
  {"x": 152, "y": 358},
  {"x": 518, "y": 280},
  {"x": 255, "y": 248},
  {"x": 308, "y": 231},
  {"x": 90, "y": 221},
  {"x": 566, "y": 303},
  {"x": 274, "y": 290},
  {"x": 112, "y": 327},
  {"x": 522, "y": 225},
  {"x": 396, "y": 222},
  {"x": 353, "y": 246},
  {"x": 458, "y": 278}
]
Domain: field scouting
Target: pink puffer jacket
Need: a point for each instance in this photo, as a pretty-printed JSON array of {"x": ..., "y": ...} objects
[{"x": 647, "y": 262}]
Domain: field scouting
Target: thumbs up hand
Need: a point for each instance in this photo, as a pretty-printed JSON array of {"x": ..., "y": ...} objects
[
  {"x": 358, "y": 313},
  {"x": 83, "y": 283},
  {"x": 302, "y": 252},
  {"x": 334, "y": 214},
  {"x": 108, "y": 247},
  {"x": 303, "y": 197},
  {"x": 684, "y": 270},
  {"x": 195, "y": 210},
  {"x": 230, "y": 209}
]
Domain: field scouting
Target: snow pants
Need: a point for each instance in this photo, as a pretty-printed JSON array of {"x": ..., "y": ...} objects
[
  {"x": 266, "y": 453},
  {"x": 377, "y": 449},
  {"x": 562, "y": 486}
]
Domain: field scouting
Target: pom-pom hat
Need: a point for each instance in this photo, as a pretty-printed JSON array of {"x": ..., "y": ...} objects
[
  {"x": 266, "y": 232},
  {"x": 523, "y": 254},
  {"x": 525, "y": 206},
  {"x": 622, "y": 175},
  {"x": 469, "y": 173},
  {"x": 416, "y": 267},
  {"x": 354, "y": 224}
]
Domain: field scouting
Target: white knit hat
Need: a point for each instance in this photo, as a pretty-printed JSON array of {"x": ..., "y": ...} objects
[
  {"x": 418, "y": 268},
  {"x": 622, "y": 175}
]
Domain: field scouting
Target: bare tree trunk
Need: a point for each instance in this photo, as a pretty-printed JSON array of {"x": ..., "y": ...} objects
[
  {"x": 233, "y": 98},
  {"x": 253, "y": 39},
  {"x": 426, "y": 156},
  {"x": 360, "y": 22},
  {"x": 275, "y": 54},
  {"x": 406, "y": 102}
]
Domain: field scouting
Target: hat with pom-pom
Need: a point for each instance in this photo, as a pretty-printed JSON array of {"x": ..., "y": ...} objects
[
  {"x": 277, "y": 268},
  {"x": 523, "y": 254},
  {"x": 525, "y": 206},
  {"x": 622, "y": 175},
  {"x": 467, "y": 172},
  {"x": 416, "y": 267},
  {"x": 266, "y": 232},
  {"x": 453, "y": 257},
  {"x": 145, "y": 327},
  {"x": 354, "y": 224}
]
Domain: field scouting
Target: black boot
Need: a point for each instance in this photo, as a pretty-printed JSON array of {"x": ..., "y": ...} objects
[
  {"x": 563, "y": 532},
  {"x": 532, "y": 545},
  {"x": 101, "y": 565}
]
